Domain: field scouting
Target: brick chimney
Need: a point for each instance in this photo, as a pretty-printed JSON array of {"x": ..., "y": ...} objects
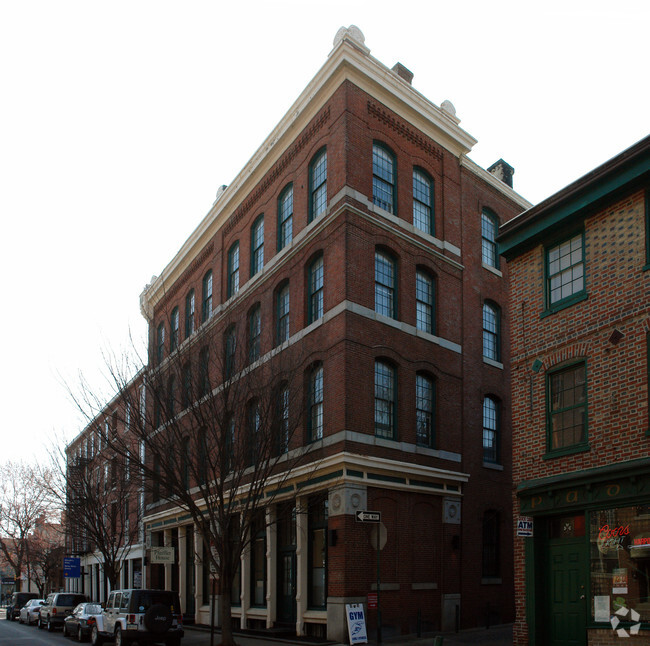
[
  {"x": 403, "y": 73},
  {"x": 503, "y": 171}
]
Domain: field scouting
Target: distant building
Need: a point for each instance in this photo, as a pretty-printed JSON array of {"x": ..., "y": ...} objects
[
  {"x": 579, "y": 267},
  {"x": 362, "y": 234}
]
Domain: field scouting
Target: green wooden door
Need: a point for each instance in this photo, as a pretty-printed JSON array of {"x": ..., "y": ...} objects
[{"x": 566, "y": 593}]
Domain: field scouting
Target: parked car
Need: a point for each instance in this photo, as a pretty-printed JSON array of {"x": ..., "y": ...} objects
[
  {"x": 145, "y": 616},
  {"x": 80, "y": 622},
  {"x": 18, "y": 600},
  {"x": 30, "y": 612},
  {"x": 57, "y": 607}
]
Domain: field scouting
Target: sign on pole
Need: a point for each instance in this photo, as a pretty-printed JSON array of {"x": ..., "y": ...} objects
[
  {"x": 71, "y": 567},
  {"x": 356, "y": 623},
  {"x": 364, "y": 516},
  {"x": 162, "y": 555}
]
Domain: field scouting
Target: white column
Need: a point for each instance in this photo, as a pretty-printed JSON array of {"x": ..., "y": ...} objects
[
  {"x": 245, "y": 584},
  {"x": 302, "y": 561},
  {"x": 271, "y": 565},
  {"x": 182, "y": 566},
  {"x": 168, "y": 568}
]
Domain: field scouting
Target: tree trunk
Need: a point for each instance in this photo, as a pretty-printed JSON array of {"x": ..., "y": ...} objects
[{"x": 227, "y": 638}]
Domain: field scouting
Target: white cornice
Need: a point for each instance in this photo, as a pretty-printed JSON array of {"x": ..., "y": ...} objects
[
  {"x": 347, "y": 61},
  {"x": 495, "y": 182}
]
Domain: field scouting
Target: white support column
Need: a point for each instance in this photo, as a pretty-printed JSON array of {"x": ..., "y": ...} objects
[
  {"x": 245, "y": 585},
  {"x": 302, "y": 561},
  {"x": 197, "y": 550},
  {"x": 271, "y": 565},
  {"x": 168, "y": 568},
  {"x": 182, "y": 566}
]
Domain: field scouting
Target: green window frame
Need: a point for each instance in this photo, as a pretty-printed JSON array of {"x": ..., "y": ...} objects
[
  {"x": 317, "y": 525},
  {"x": 489, "y": 230},
  {"x": 174, "y": 330},
  {"x": 565, "y": 272},
  {"x": 160, "y": 343},
  {"x": 385, "y": 400},
  {"x": 189, "y": 313},
  {"x": 384, "y": 192},
  {"x": 315, "y": 289},
  {"x": 318, "y": 184},
  {"x": 567, "y": 408},
  {"x": 491, "y": 429},
  {"x": 424, "y": 301},
  {"x": 647, "y": 229},
  {"x": 385, "y": 284},
  {"x": 491, "y": 331},
  {"x": 285, "y": 217},
  {"x": 254, "y": 333},
  {"x": 425, "y": 394},
  {"x": 282, "y": 313},
  {"x": 257, "y": 245},
  {"x": 315, "y": 403},
  {"x": 423, "y": 205},
  {"x": 233, "y": 269},
  {"x": 206, "y": 302}
]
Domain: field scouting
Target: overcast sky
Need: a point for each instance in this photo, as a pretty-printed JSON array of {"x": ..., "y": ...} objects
[{"x": 119, "y": 121}]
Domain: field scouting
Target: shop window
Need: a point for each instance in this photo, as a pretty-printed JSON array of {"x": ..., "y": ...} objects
[
  {"x": 619, "y": 542},
  {"x": 317, "y": 573},
  {"x": 258, "y": 562},
  {"x": 566, "y": 406}
]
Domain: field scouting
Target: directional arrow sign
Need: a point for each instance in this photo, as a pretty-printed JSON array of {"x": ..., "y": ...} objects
[{"x": 368, "y": 516}]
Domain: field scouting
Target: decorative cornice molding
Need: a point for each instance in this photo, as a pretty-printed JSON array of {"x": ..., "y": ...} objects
[{"x": 402, "y": 129}]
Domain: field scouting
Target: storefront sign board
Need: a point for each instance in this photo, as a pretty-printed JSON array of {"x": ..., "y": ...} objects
[{"x": 356, "y": 623}]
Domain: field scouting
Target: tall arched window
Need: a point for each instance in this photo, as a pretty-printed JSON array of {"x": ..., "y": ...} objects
[
  {"x": 491, "y": 331},
  {"x": 385, "y": 284},
  {"x": 285, "y": 217},
  {"x": 257, "y": 245},
  {"x": 491, "y": 424},
  {"x": 160, "y": 342},
  {"x": 318, "y": 184},
  {"x": 489, "y": 229},
  {"x": 424, "y": 409},
  {"x": 282, "y": 314},
  {"x": 385, "y": 400},
  {"x": 189, "y": 313},
  {"x": 233, "y": 269},
  {"x": 175, "y": 332},
  {"x": 315, "y": 412},
  {"x": 423, "y": 201},
  {"x": 383, "y": 178},
  {"x": 315, "y": 278},
  {"x": 206, "y": 307}
]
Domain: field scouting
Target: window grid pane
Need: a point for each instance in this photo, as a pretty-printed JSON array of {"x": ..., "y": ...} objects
[
  {"x": 422, "y": 202},
  {"x": 384, "y": 285},
  {"x": 258, "y": 247},
  {"x": 490, "y": 333},
  {"x": 490, "y": 430},
  {"x": 173, "y": 341},
  {"x": 384, "y": 401},
  {"x": 207, "y": 297},
  {"x": 316, "y": 404},
  {"x": 424, "y": 302},
  {"x": 319, "y": 186},
  {"x": 383, "y": 179},
  {"x": 233, "y": 273},
  {"x": 488, "y": 240},
  {"x": 283, "y": 315},
  {"x": 567, "y": 407},
  {"x": 424, "y": 410},
  {"x": 255, "y": 330},
  {"x": 566, "y": 269},
  {"x": 189, "y": 314},
  {"x": 286, "y": 218},
  {"x": 316, "y": 282}
]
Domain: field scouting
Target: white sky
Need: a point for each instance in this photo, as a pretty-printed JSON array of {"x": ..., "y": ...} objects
[{"x": 119, "y": 120}]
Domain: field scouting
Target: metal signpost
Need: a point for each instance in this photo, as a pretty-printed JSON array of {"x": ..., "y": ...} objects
[{"x": 379, "y": 540}]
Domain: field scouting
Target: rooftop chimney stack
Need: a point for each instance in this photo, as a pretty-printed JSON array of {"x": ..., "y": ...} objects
[
  {"x": 503, "y": 171},
  {"x": 404, "y": 73}
]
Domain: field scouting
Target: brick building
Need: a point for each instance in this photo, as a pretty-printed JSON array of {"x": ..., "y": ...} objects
[
  {"x": 361, "y": 238},
  {"x": 580, "y": 334}
]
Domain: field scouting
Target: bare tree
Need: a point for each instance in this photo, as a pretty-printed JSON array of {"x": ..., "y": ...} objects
[
  {"x": 23, "y": 502},
  {"x": 217, "y": 432}
]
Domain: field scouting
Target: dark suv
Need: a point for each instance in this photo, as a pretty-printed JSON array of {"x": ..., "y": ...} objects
[
  {"x": 57, "y": 607},
  {"x": 18, "y": 600},
  {"x": 145, "y": 616}
]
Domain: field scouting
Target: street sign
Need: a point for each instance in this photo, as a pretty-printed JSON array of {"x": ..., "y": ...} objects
[
  {"x": 372, "y": 601},
  {"x": 71, "y": 567},
  {"x": 364, "y": 516}
]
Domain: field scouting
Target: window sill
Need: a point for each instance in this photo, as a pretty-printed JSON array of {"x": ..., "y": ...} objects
[
  {"x": 558, "y": 453},
  {"x": 493, "y": 363},
  {"x": 494, "y": 270},
  {"x": 561, "y": 305},
  {"x": 492, "y": 465}
]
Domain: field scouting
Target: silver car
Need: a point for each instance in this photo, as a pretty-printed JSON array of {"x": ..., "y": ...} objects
[{"x": 29, "y": 613}]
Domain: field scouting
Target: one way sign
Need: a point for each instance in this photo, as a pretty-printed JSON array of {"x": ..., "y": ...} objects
[{"x": 368, "y": 516}]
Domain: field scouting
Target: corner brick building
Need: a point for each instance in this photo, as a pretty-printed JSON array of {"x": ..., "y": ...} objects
[
  {"x": 361, "y": 234},
  {"x": 580, "y": 330}
]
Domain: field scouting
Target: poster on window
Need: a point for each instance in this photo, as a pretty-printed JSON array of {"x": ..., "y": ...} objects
[
  {"x": 601, "y": 608},
  {"x": 619, "y": 580}
]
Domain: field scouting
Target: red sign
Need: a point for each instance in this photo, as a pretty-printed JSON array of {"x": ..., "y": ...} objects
[{"x": 372, "y": 600}]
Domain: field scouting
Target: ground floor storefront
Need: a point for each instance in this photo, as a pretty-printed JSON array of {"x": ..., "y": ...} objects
[{"x": 584, "y": 575}]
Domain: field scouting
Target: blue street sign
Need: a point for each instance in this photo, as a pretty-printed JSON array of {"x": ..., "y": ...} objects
[{"x": 71, "y": 567}]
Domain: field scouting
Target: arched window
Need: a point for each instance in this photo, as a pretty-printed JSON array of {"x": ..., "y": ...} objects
[
  {"x": 204, "y": 371},
  {"x": 257, "y": 245},
  {"x": 489, "y": 229},
  {"x": 282, "y": 314},
  {"x": 491, "y": 331},
  {"x": 318, "y": 184},
  {"x": 189, "y": 313},
  {"x": 385, "y": 400},
  {"x": 491, "y": 424},
  {"x": 315, "y": 278},
  {"x": 160, "y": 342},
  {"x": 254, "y": 333},
  {"x": 285, "y": 217},
  {"x": 424, "y": 409},
  {"x": 175, "y": 324},
  {"x": 383, "y": 178},
  {"x": 282, "y": 417},
  {"x": 315, "y": 403},
  {"x": 233, "y": 269},
  {"x": 424, "y": 301},
  {"x": 423, "y": 201},
  {"x": 206, "y": 308},
  {"x": 491, "y": 562},
  {"x": 230, "y": 350},
  {"x": 385, "y": 284}
]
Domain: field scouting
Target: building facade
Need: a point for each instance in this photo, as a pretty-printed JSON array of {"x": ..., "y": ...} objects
[
  {"x": 580, "y": 330},
  {"x": 361, "y": 238}
]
